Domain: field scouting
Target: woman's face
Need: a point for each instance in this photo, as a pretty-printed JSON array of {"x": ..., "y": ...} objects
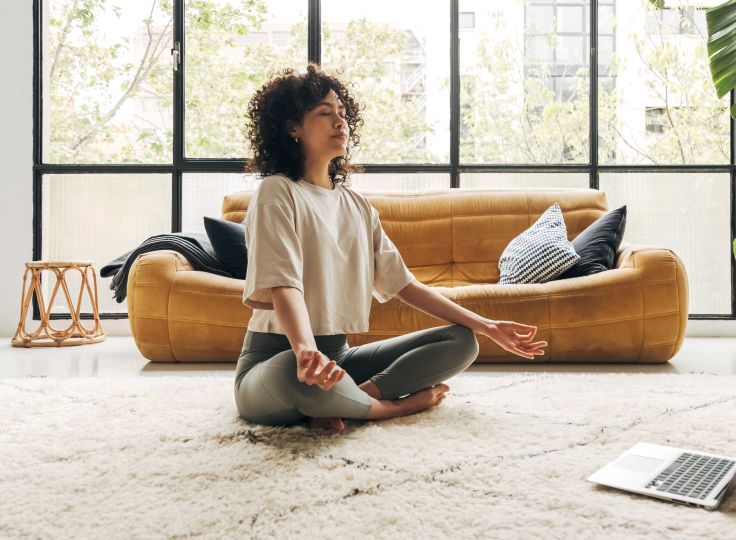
[{"x": 324, "y": 132}]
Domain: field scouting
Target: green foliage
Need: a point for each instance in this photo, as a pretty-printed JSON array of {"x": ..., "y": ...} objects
[
  {"x": 223, "y": 70},
  {"x": 83, "y": 104},
  {"x": 696, "y": 126},
  {"x": 221, "y": 76},
  {"x": 511, "y": 113},
  {"x": 513, "y": 117},
  {"x": 368, "y": 55},
  {"x": 509, "y": 110}
]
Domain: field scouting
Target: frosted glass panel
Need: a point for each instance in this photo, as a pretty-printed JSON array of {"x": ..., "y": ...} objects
[
  {"x": 99, "y": 217},
  {"x": 399, "y": 181},
  {"x": 688, "y": 213},
  {"x": 203, "y": 193},
  {"x": 522, "y": 180}
]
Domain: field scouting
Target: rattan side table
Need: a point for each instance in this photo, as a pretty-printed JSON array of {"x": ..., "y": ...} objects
[{"x": 45, "y": 335}]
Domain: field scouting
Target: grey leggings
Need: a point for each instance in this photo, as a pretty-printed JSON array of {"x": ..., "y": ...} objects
[{"x": 267, "y": 390}]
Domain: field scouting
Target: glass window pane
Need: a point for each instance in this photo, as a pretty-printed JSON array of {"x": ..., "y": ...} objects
[
  {"x": 540, "y": 19},
  {"x": 667, "y": 71},
  {"x": 107, "y": 82},
  {"x": 399, "y": 181},
  {"x": 232, "y": 49},
  {"x": 567, "y": 88},
  {"x": 400, "y": 66},
  {"x": 467, "y": 20},
  {"x": 570, "y": 19},
  {"x": 99, "y": 217},
  {"x": 513, "y": 111},
  {"x": 606, "y": 20},
  {"x": 696, "y": 22},
  {"x": 570, "y": 50},
  {"x": 605, "y": 51},
  {"x": 688, "y": 213},
  {"x": 539, "y": 49},
  {"x": 524, "y": 180},
  {"x": 203, "y": 193}
]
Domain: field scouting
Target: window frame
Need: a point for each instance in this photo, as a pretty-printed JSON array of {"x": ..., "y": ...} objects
[{"x": 180, "y": 164}]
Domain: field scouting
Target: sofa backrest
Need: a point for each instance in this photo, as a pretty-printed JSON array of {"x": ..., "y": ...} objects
[{"x": 455, "y": 237}]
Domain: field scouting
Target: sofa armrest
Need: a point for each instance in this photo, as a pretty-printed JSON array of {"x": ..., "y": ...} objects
[
  {"x": 178, "y": 314},
  {"x": 665, "y": 292},
  {"x": 624, "y": 250},
  {"x": 149, "y": 285}
]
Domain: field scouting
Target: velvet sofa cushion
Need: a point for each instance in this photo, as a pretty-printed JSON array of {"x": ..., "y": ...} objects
[
  {"x": 228, "y": 241},
  {"x": 597, "y": 245}
]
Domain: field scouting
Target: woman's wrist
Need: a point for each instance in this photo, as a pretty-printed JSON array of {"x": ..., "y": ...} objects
[
  {"x": 481, "y": 323},
  {"x": 302, "y": 347}
]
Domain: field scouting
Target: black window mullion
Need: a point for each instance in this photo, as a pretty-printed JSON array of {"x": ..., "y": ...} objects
[
  {"x": 176, "y": 200},
  {"x": 314, "y": 31},
  {"x": 37, "y": 139},
  {"x": 593, "y": 84},
  {"x": 454, "y": 93},
  {"x": 37, "y": 130},
  {"x": 88, "y": 168},
  {"x": 37, "y": 215},
  {"x": 178, "y": 118},
  {"x": 37, "y": 85}
]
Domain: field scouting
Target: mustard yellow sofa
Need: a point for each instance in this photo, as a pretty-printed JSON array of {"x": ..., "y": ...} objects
[{"x": 451, "y": 239}]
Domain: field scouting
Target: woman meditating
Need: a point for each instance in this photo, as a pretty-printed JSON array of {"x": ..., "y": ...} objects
[{"x": 317, "y": 253}]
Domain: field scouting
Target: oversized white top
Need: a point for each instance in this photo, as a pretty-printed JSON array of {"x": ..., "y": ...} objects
[{"x": 329, "y": 244}]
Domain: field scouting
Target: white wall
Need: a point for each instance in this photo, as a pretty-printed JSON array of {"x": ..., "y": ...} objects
[
  {"x": 16, "y": 178},
  {"x": 16, "y": 155}
]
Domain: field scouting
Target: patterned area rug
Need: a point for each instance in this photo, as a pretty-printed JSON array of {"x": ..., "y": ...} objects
[{"x": 501, "y": 457}]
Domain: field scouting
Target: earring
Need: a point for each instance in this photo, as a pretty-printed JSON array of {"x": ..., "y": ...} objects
[{"x": 296, "y": 139}]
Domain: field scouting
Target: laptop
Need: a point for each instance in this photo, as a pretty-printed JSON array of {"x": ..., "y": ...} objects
[{"x": 674, "y": 474}]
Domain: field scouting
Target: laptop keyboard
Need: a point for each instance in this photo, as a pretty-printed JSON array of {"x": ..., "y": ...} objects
[{"x": 692, "y": 475}]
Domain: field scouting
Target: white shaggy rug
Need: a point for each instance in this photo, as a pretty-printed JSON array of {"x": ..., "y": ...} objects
[{"x": 501, "y": 457}]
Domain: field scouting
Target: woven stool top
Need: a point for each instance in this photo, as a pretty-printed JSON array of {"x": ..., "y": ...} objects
[{"x": 57, "y": 264}]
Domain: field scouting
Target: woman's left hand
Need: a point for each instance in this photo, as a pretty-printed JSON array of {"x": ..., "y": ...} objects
[{"x": 513, "y": 337}]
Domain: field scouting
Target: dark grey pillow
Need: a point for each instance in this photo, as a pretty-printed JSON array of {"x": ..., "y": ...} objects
[
  {"x": 228, "y": 241},
  {"x": 597, "y": 244},
  {"x": 540, "y": 253}
]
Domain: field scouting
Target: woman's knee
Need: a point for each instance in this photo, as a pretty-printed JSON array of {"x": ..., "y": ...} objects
[
  {"x": 263, "y": 398},
  {"x": 467, "y": 342}
]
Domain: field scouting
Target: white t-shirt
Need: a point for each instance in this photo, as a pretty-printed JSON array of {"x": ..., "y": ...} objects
[{"x": 329, "y": 244}]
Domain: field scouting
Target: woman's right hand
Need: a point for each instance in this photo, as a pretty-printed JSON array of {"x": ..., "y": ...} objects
[{"x": 313, "y": 367}]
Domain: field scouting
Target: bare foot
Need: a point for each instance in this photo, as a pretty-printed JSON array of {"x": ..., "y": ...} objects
[
  {"x": 423, "y": 399},
  {"x": 335, "y": 425}
]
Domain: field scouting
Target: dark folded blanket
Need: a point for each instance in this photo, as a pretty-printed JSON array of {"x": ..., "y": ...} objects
[{"x": 196, "y": 247}]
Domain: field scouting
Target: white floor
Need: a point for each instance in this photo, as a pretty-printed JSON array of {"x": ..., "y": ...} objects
[{"x": 118, "y": 356}]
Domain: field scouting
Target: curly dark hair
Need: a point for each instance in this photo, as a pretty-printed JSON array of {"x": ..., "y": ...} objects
[{"x": 281, "y": 103}]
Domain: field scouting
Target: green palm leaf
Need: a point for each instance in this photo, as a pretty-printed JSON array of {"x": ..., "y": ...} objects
[{"x": 721, "y": 21}]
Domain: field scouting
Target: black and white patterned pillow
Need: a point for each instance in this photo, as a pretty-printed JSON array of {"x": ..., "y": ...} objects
[{"x": 540, "y": 253}]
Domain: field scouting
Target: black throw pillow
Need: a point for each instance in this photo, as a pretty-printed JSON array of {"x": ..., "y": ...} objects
[
  {"x": 228, "y": 241},
  {"x": 597, "y": 245}
]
